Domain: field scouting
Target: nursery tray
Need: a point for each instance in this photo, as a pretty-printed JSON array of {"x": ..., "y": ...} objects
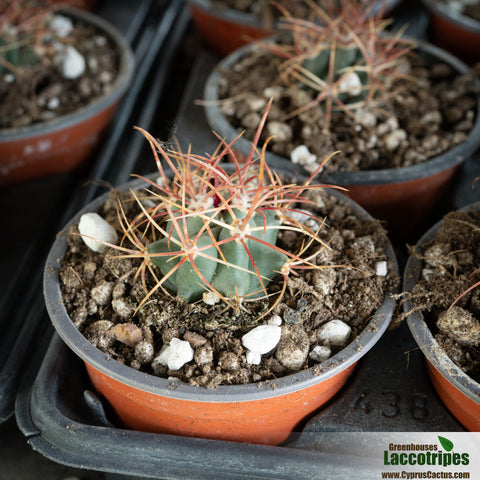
[
  {"x": 389, "y": 391},
  {"x": 34, "y": 211}
]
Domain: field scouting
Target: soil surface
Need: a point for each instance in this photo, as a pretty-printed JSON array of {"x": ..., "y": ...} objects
[
  {"x": 39, "y": 93},
  {"x": 101, "y": 293},
  {"x": 451, "y": 266},
  {"x": 426, "y": 119}
]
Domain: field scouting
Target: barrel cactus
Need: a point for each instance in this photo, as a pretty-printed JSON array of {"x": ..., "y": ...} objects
[
  {"x": 23, "y": 30},
  {"x": 342, "y": 55},
  {"x": 213, "y": 231}
]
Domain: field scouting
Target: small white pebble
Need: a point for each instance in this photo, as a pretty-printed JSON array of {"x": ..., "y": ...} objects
[
  {"x": 281, "y": 132},
  {"x": 175, "y": 355},
  {"x": 210, "y": 298},
  {"x": 159, "y": 181},
  {"x": 275, "y": 320},
  {"x": 394, "y": 139},
  {"x": 381, "y": 268},
  {"x": 53, "y": 103},
  {"x": 302, "y": 155},
  {"x": 351, "y": 84},
  {"x": 61, "y": 25},
  {"x": 366, "y": 119},
  {"x": 70, "y": 62},
  {"x": 9, "y": 77},
  {"x": 262, "y": 339},
  {"x": 320, "y": 353},
  {"x": 334, "y": 333},
  {"x": 304, "y": 217},
  {"x": 253, "y": 358},
  {"x": 273, "y": 92},
  {"x": 427, "y": 274},
  {"x": 95, "y": 230}
]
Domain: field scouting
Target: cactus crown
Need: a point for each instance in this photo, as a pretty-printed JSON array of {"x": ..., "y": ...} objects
[
  {"x": 23, "y": 30},
  {"x": 215, "y": 231},
  {"x": 341, "y": 55}
]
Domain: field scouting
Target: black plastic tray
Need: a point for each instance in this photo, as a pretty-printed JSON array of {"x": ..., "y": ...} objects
[
  {"x": 390, "y": 390},
  {"x": 34, "y": 211}
]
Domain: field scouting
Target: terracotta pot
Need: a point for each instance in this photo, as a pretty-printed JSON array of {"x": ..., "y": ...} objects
[
  {"x": 224, "y": 29},
  {"x": 264, "y": 413},
  {"x": 403, "y": 197},
  {"x": 459, "y": 392},
  {"x": 453, "y": 31},
  {"x": 61, "y": 144}
]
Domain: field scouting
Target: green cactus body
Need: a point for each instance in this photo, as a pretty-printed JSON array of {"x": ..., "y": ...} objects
[
  {"x": 238, "y": 275},
  {"x": 344, "y": 58},
  {"x": 18, "y": 55}
]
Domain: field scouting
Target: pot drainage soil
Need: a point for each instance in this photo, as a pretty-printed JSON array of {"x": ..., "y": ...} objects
[
  {"x": 428, "y": 118},
  {"x": 101, "y": 293},
  {"x": 39, "y": 93},
  {"x": 450, "y": 268}
]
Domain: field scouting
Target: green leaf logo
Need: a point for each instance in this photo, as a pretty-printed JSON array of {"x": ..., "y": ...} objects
[{"x": 446, "y": 443}]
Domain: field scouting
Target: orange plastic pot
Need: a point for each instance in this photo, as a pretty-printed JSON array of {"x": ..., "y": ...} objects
[
  {"x": 224, "y": 29},
  {"x": 459, "y": 392},
  {"x": 61, "y": 144},
  {"x": 402, "y": 197},
  {"x": 454, "y": 32},
  {"x": 264, "y": 413}
]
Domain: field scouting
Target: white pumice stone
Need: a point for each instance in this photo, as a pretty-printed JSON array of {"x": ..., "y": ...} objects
[
  {"x": 381, "y": 269},
  {"x": 302, "y": 155},
  {"x": 9, "y": 77},
  {"x": 281, "y": 132},
  {"x": 175, "y": 355},
  {"x": 95, "y": 230},
  {"x": 351, "y": 84},
  {"x": 210, "y": 298},
  {"x": 253, "y": 358},
  {"x": 320, "y": 353},
  {"x": 275, "y": 320},
  {"x": 53, "y": 103},
  {"x": 70, "y": 62},
  {"x": 427, "y": 274},
  {"x": 262, "y": 339},
  {"x": 61, "y": 25},
  {"x": 334, "y": 333},
  {"x": 394, "y": 139}
]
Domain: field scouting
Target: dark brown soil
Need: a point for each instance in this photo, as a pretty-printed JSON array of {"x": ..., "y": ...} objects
[
  {"x": 451, "y": 266},
  {"x": 427, "y": 119},
  {"x": 39, "y": 93},
  {"x": 101, "y": 295}
]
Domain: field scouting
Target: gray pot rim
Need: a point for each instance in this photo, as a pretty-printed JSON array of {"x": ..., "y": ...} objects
[
  {"x": 462, "y": 21},
  {"x": 250, "y": 19},
  {"x": 120, "y": 85},
  {"x": 420, "y": 330},
  {"x": 449, "y": 159},
  {"x": 182, "y": 391}
]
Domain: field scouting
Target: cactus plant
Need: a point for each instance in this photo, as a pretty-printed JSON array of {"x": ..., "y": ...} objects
[
  {"x": 342, "y": 56},
  {"x": 215, "y": 232},
  {"x": 23, "y": 30}
]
